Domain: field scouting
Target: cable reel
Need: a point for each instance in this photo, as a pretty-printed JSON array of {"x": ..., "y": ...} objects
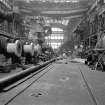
[
  {"x": 37, "y": 48},
  {"x": 15, "y": 48},
  {"x": 29, "y": 48},
  {"x": 3, "y": 45}
]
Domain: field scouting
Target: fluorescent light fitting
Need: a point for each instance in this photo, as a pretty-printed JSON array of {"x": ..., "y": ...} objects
[
  {"x": 74, "y": 1},
  {"x": 27, "y": 1},
  {"x": 68, "y": 1}
]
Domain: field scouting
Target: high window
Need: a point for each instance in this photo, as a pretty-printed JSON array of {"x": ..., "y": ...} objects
[
  {"x": 55, "y": 40},
  {"x": 55, "y": 1}
]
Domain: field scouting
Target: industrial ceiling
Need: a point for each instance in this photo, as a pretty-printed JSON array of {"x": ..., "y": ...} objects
[
  {"x": 55, "y": 11},
  {"x": 53, "y": 8}
]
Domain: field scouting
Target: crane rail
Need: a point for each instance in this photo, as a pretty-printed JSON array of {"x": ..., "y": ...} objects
[{"x": 20, "y": 92}]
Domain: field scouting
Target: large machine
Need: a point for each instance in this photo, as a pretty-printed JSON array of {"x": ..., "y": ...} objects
[
  {"x": 20, "y": 43},
  {"x": 90, "y": 33}
]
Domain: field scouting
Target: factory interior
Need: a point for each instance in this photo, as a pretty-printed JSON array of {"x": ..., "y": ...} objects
[{"x": 52, "y": 52}]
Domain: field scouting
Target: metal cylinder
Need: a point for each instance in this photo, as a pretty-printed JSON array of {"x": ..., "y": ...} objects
[
  {"x": 15, "y": 48},
  {"x": 29, "y": 48},
  {"x": 37, "y": 48}
]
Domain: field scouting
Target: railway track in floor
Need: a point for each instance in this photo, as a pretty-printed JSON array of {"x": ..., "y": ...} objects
[
  {"x": 33, "y": 77},
  {"x": 90, "y": 91},
  {"x": 7, "y": 81},
  {"x": 14, "y": 70},
  {"x": 32, "y": 82}
]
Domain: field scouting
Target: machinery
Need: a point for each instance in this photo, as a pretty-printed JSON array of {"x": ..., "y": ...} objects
[
  {"x": 19, "y": 47},
  {"x": 96, "y": 57},
  {"x": 20, "y": 52},
  {"x": 90, "y": 33}
]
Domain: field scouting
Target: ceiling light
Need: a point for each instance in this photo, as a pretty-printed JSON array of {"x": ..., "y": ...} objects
[
  {"x": 57, "y": 29},
  {"x": 43, "y": 0},
  {"x": 74, "y": 1},
  {"x": 54, "y": 1},
  {"x": 68, "y": 1},
  {"x": 27, "y": 1}
]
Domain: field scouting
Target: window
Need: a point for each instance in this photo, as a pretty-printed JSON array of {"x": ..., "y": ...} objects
[
  {"x": 63, "y": 21},
  {"x": 57, "y": 29},
  {"x": 56, "y": 38},
  {"x": 54, "y": 1}
]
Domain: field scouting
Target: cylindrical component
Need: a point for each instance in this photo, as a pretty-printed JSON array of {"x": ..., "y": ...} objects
[
  {"x": 7, "y": 81},
  {"x": 29, "y": 48},
  {"x": 15, "y": 48},
  {"x": 37, "y": 48}
]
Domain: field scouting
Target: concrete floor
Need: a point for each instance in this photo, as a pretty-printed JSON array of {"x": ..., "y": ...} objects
[{"x": 62, "y": 85}]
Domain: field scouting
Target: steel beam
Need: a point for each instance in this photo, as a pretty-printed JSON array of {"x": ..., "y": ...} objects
[{"x": 64, "y": 12}]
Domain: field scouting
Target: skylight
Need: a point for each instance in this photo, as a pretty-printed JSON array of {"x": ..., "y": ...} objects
[
  {"x": 57, "y": 29},
  {"x": 55, "y": 45},
  {"x": 63, "y": 21},
  {"x": 56, "y": 38},
  {"x": 59, "y": 1},
  {"x": 55, "y": 1}
]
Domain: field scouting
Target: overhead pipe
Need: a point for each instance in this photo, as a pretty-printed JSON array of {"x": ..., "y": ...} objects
[
  {"x": 4, "y": 35},
  {"x": 9, "y": 80}
]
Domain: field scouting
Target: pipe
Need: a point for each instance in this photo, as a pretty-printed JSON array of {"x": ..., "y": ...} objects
[
  {"x": 7, "y": 36},
  {"x": 9, "y": 80}
]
